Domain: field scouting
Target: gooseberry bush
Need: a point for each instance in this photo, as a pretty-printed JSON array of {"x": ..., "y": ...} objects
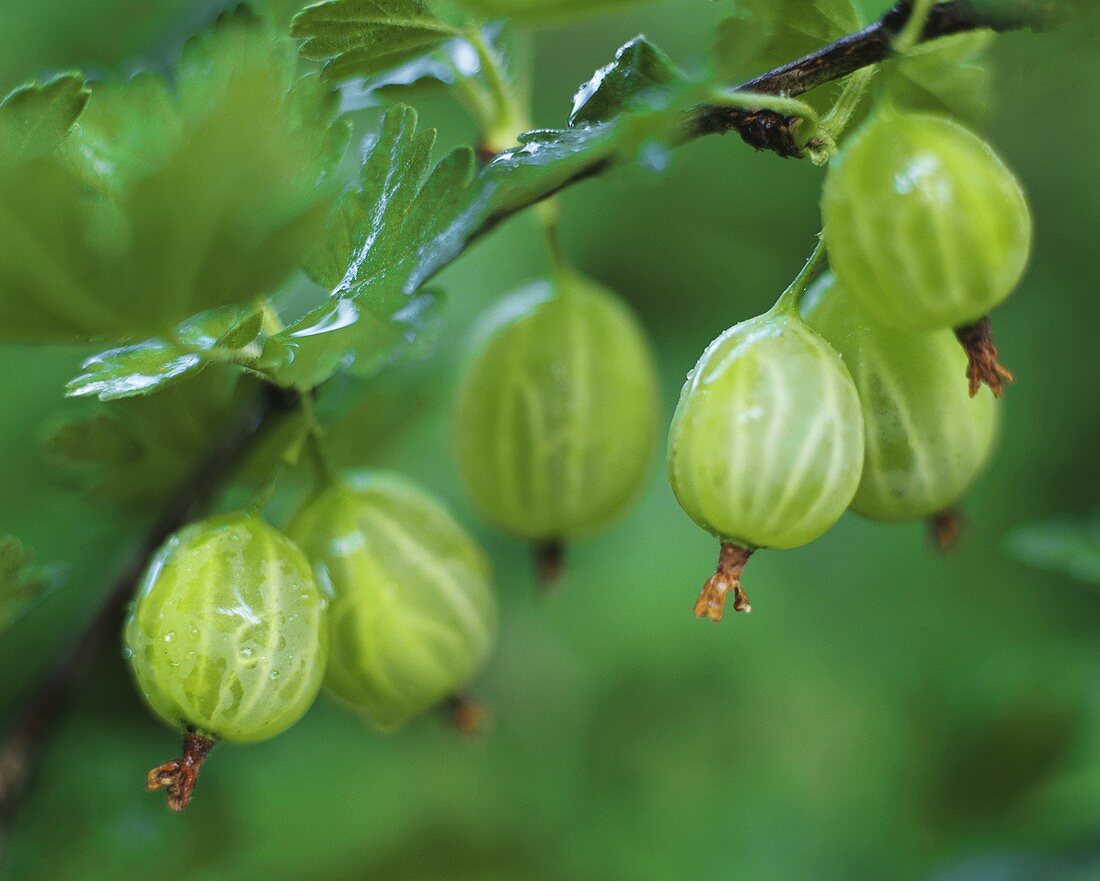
[{"x": 248, "y": 279}]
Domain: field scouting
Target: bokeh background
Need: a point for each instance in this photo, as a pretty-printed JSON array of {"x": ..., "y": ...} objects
[{"x": 885, "y": 713}]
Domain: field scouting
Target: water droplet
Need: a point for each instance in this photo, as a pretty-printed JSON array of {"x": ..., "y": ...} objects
[
  {"x": 127, "y": 653},
  {"x": 274, "y": 674},
  {"x": 169, "y": 636}
]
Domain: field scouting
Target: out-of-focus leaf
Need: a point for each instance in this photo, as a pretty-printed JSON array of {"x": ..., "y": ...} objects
[
  {"x": 35, "y": 118},
  {"x": 137, "y": 450},
  {"x": 22, "y": 584},
  {"x": 640, "y": 73},
  {"x": 547, "y": 11},
  {"x": 230, "y": 334},
  {"x": 945, "y": 76},
  {"x": 164, "y": 202},
  {"x": 365, "y": 37},
  {"x": 1072, "y": 548},
  {"x": 766, "y": 33}
]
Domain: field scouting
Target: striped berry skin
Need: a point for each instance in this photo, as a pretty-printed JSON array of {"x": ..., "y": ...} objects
[
  {"x": 227, "y": 636},
  {"x": 766, "y": 445},
  {"x": 557, "y": 416},
  {"x": 925, "y": 225},
  {"x": 926, "y": 438},
  {"x": 413, "y": 613}
]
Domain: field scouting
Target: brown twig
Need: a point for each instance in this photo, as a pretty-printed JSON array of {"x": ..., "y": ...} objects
[
  {"x": 725, "y": 580},
  {"x": 769, "y": 130},
  {"x": 46, "y": 705}
]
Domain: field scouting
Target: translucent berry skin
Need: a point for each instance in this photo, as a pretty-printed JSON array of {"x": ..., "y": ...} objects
[
  {"x": 557, "y": 416},
  {"x": 925, "y": 225},
  {"x": 227, "y": 636},
  {"x": 413, "y": 614},
  {"x": 766, "y": 445},
  {"x": 926, "y": 438}
]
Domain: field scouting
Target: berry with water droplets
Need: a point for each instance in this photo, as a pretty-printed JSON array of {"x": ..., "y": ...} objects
[{"x": 226, "y": 639}]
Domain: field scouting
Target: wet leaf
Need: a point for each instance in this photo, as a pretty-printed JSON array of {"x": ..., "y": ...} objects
[{"x": 641, "y": 74}]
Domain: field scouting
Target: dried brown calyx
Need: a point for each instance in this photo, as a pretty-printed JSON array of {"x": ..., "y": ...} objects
[
  {"x": 178, "y": 777},
  {"x": 467, "y": 714},
  {"x": 726, "y": 580},
  {"x": 983, "y": 366},
  {"x": 945, "y": 530},
  {"x": 549, "y": 564}
]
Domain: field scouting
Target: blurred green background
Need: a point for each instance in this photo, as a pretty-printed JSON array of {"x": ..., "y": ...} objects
[{"x": 885, "y": 712}]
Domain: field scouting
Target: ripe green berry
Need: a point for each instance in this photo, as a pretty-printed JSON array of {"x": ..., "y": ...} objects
[
  {"x": 926, "y": 438},
  {"x": 925, "y": 225},
  {"x": 557, "y": 415},
  {"x": 226, "y": 638},
  {"x": 766, "y": 445},
  {"x": 413, "y": 614}
]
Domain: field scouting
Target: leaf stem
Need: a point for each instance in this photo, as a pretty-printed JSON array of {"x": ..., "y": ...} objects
[{"x": 509, "y": 115}]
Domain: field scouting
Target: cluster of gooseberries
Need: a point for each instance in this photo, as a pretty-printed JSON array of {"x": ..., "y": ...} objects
[{"x": 849, "y": 393}]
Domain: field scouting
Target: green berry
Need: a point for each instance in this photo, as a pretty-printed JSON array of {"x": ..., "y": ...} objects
[
  {"x": 925, "y": 225},
  {"x": 557, "y": 414},
  {"x": 926, "y": 438},
  {"x": 766, "y": 445},
  {"x": 413, "y": 614},
  {"x": 227, "y": 635}
]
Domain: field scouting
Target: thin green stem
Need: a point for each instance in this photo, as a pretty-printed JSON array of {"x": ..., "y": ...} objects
[
  {"x": 790, "y": 300},
  {"x": 508, "y": 115},
  {"x": 315, "y": 443},
  {"x": 910, "y": 34}
]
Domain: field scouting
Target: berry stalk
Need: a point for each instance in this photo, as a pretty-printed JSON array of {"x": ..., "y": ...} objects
[
  {"x": 725, "y": 580},
  {"x": 179, "y": 776}
]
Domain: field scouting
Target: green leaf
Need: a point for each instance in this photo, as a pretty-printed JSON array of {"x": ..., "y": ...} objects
[
  {"x": 1071, "y": 548},
  {"x": 547, "y": 11},
  {"x": 767, "y": 33},
  {"x": 381, "y": 234},
  {"x": 164, "y": 202},
  {"x": 640, "y": 74},
  {"x": 137, "y": 450},
  {"x": 404, "y": 221},
  {"x": 365, "y": 37},
  {"x": 945, "y": 76},
  {"x": 35, "y": 118},
  {"x": 225, "y": 335},
  {"x": 22, "y": 584}
]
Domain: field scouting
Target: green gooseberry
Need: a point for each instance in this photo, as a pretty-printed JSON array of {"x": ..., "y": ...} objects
[
  {"x": 925, "y": 225},
  {"x": 226, "y": 638},
  {"x": 556, "y": 418},
  {"x": 926, "y": 438},
  {"x": 766, "y": 445},
  {"x": 413, "y": 614}
]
